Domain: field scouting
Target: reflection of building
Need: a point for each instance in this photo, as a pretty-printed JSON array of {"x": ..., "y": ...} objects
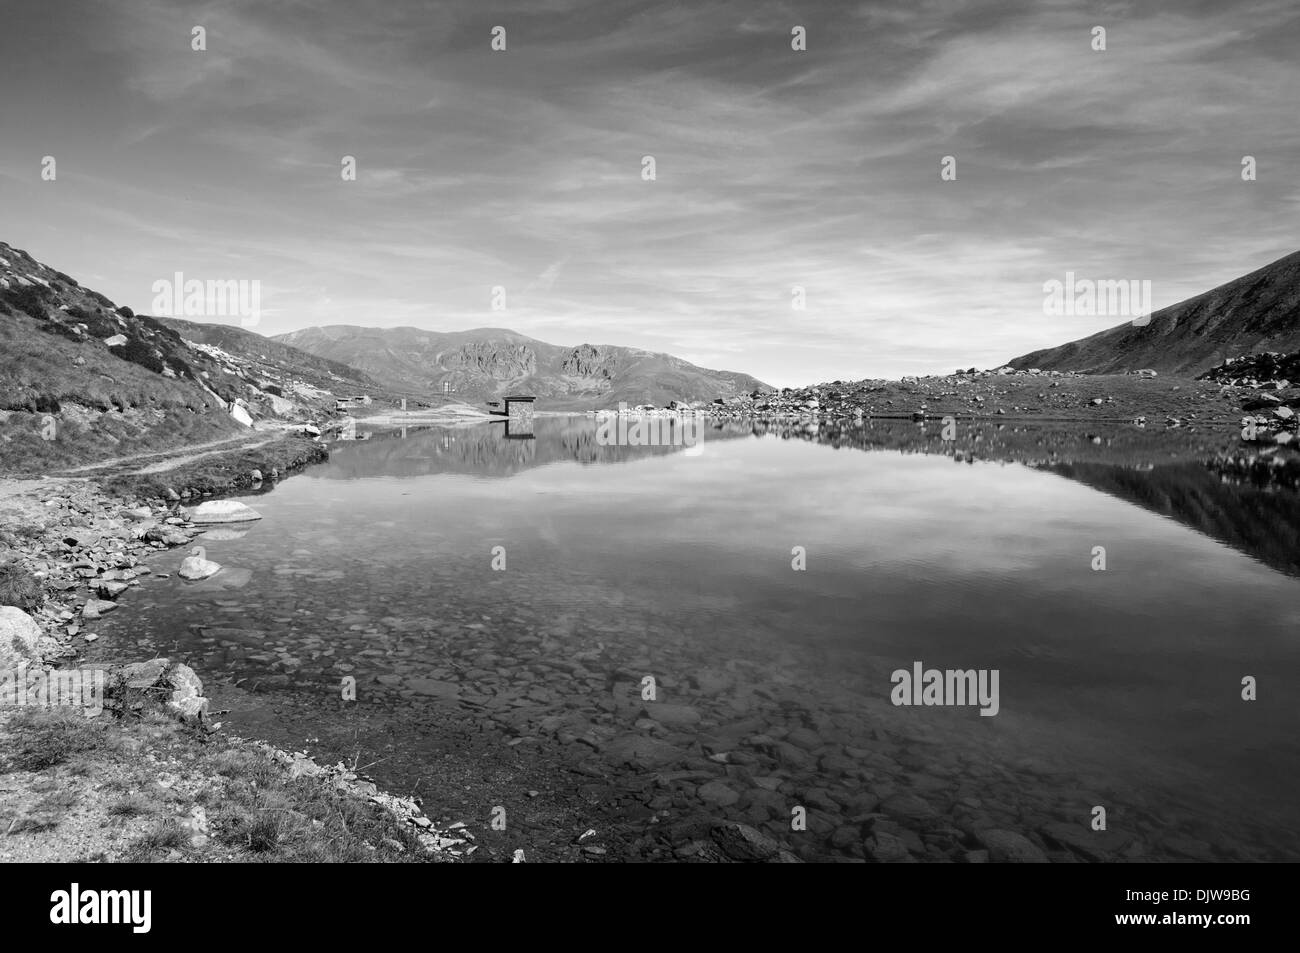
[
  {"x": 519, "y": 428},
  {"x": 516, "y": 407}
]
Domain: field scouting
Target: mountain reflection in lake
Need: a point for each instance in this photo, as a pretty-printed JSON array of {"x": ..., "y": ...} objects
[{"x": 1119, "y": 689}]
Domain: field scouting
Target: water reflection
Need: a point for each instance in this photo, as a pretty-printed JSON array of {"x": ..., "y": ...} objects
[{"x": 1119, "y": 688}]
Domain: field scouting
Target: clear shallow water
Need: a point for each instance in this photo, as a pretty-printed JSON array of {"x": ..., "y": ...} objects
[{"x": 1119, "y": 688}]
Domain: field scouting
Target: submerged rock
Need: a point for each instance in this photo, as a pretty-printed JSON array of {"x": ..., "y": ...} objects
[
  {"x": 1011, "y": 848},
  {"x": 742, "y": 842},
  {"x": 95, "y": 608},
  {"x": 223, "y": 511},
  {"x": 196, "y": 567}
]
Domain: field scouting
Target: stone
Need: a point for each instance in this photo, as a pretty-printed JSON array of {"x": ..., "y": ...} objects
[
  {"x": 640, "y": 750},
  {"x": 717, "y": 794},
  {"x": 1083, "y": 840},
  {"x": 744, "y": 843},
  {"x": 674, "y": 715},
  {"x": 223, "y": 511},
  {"x": 1008, "y": 847},
  {"x": 95, "y": 608},
  {"x": 167, "y": 535},
  {"x": 19, "y": 637},
  {"x": 885, "y": 848},
  {"x": 255, "y": 475},
  {"x": 196, "y": 567},
  {"x": 908, "y": 806},
  {"x": 804, "y": 738},
  {"x": 142, "y": 674},
  {"x": 434, "y": 687},
  {"x": 187, "y": 699}
]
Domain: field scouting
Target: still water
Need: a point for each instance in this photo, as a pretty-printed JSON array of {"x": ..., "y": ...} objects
[{"x": 772, "y": 684}]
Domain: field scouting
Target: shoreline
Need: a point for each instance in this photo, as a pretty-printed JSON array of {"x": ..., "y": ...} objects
[{"x": 74, "y": 535}]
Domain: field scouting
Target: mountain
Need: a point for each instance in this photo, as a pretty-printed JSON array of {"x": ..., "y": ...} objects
[
  {"x": 487, "y": 363},
  {"x": 82, "y": 379},
  {"x": 1257, "y": 312},
  {"x": 257, "y": 353}
]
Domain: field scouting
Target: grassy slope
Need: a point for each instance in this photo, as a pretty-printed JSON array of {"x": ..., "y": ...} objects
[
  {"x": 102, "y": 407},
  {"x": 1257, "y": 312}
]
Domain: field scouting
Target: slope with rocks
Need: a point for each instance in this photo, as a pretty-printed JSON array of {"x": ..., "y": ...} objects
[
  {"x": 82, "y": 379},
  {"x": 1257, "y": 312}
]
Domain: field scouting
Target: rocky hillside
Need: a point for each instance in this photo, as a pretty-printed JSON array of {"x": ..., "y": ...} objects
[
  {"x": 83, "y": 380},
  {"x": 1257, "y": 312},
  {"x": 258, "y": 354},
  {"x": 487, "y": 363}
]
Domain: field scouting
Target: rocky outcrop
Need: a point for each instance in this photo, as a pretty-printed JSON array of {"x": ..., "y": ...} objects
[
  {"x": 492, "y": 359},
  {"x": 587, "y": 360}
]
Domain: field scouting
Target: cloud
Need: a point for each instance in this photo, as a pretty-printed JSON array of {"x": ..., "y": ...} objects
[{"x": 775, "y": 168}]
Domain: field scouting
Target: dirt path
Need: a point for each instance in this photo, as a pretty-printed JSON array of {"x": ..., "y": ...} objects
[{"x": 170, "y": 459}]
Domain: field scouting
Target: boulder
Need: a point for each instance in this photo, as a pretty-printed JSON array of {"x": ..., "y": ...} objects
[
  {"x": 187, "y": 701},
  {"x": 223, "y": 511},
  {"x": 142, "y": 674},
  {"x": 167, "y": 535},
  {"x": 196, "y": 567},
  {"x": 19, "y": 635},
  {"x": 95, "y": 608},
  {"x": 111, "y": 589},
  {"x": 744, "y": 843}
]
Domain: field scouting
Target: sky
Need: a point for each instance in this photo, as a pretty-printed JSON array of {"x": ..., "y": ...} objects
[{"x": 775, "y": 168}]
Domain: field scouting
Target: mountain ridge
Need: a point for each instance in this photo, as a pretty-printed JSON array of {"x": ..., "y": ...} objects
[
  {"x": 1259, "y": 311},
  {"x": 487, "y": 363}
]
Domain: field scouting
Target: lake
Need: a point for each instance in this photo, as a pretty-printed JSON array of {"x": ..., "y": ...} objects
[{"x": 646, "y": 641}]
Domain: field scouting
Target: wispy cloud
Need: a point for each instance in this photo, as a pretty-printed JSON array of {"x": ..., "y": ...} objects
[{"x": 775, "y": 168}]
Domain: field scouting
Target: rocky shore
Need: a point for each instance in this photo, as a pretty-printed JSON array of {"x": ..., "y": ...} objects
[
  {"x": 72, "y": 553},
  {"x": 1216, "y": 402}
]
